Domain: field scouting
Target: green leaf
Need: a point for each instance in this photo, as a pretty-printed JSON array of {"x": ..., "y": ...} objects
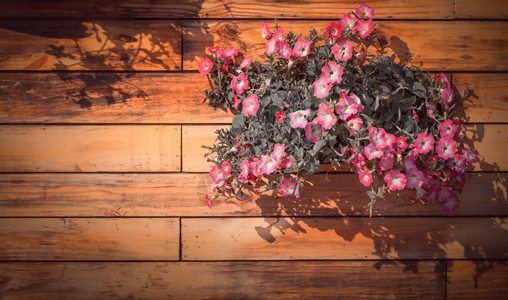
[{"x": 239, "y": 121}]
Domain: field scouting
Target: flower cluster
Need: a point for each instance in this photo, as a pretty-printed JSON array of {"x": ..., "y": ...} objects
[{"x": 329, "y": 99}]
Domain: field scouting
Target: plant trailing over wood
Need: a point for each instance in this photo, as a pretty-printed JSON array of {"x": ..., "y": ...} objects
[{"x": 327, "y": 99}]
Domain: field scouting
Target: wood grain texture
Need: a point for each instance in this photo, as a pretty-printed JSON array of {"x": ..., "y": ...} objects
[
  {"x": 344, "y": 238},
  {"x": 481, "y": 279},
  {"x": 106, "y": 98},
  {"x": 115, "y": 195},
  {"x": 490, "y": 100},
  {"x": 439, "y": 46},
  {"x": 224, "y": 280},
  {"x": 491, "y": 140},
  {"x": 228, "y": 9},
  {"x": 89, "y": 239},
  {"x": 486, "y": 9},
  {"x": 35, "y": 148},
  {"x": 97, "y": 45}
]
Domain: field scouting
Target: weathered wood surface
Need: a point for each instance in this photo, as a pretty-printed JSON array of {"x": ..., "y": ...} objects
[
  {"x": 87, "y": 45},
  {"x": 479, "y": 279},
  {"x": 490, "y": 100},
  {"x": 89, "y": 239},
  {"x": 106, "y": 98},
  {"x": 224, "y": 280},
  {"x": 491, "y": 140},
  {"x": 439, "y": 46},
  {"x": 344, "y": 238},
  {"x": 485, "y": 9},
  {"x": 228, "y": 9},
  {"x": 114, "y": 195},
  {"x": 34, "y": 148},
  {"x": 169, "y": 98}
]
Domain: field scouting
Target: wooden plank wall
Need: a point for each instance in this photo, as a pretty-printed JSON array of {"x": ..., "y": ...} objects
[{"x": 102, "y": 175}]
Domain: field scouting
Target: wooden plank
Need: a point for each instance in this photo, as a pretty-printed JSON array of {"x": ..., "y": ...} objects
[
  {"x": 485, "y": 9},
  {"x": 491, "y": 140},
  {"x": 35, "y": 148},
  {"x": 481, "y": 279},
  {"x": 439, "y": 46},
  {"x": 92, "y": 195},
  {"x": 224, "y": 280},
  {"x": 229, "y": 9},
  {"x": 344, "y": 238},
  {"x": 490, "y": 103},
  {"x": 97, "y": 45},
  {"x": 89, "y": 239},
  {"x": 106, "y": 98}
]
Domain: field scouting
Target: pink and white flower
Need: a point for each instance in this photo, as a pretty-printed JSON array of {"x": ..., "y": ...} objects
[
  {"x": 451, "y": 203},
  {"x": 377, "y": 138},
  {"x": 239, "y": 83},
  {"x": 358, "y": 102},
  {"x": 321, "y": 88},
  {"x": 228, "y": 54},
  {"x": 409, "y": 163},
  {"x": 283, "y": 49},
  {"x": 399, "y": 144},
  {"x": 395, "y": 180},
  {"x": 288, "y": 162},
  {"x": 298, "y": 118},
  {"x": 447, "y": 129},
  {"x": 245, "y": 63},
  {"x": 208, "y": 202},
  {"x": 236, "y": 102},
  {"x": 244, "y": 175},
  {"x": 445, "y": 148},
  {"x": 279, "y": 116},
  {"x": 346, "y": 106},
  {"x": 372, "y": 153},
  {"x": 289, "y": 187},
  {"x": 205, "y": 66},
  {"x": 325, "y": 117},
  {"x": 358, "y": 160},
  {"x": 457, "y": 163},
  {"x": 278, "y": 151},
  {"x": 364, "y": 28},
  {"x": 219, "y": 174},
  {"x": 471, "y": 156},
  {"x": 447, "y": 97},
  {"x": 414, "y": 178},
  {"x": 268, "y": 164},
  {"x": 302, "y": 48},
  {"x": 432, "y": 161},
  {"x": 444, "y": 80},
  {"x": 313, "y": 131},
  {"x": 255, "y": 167},
  {"x": 332, "y": 72},
  {"x": 365, "y": 177},
  {"x": 279, "y": 34},
  {"x": 365, "y": 11},
  {"x": 250, "y": 105},
  {"x": 354, "y": 124},
  {"x": 342, "y": 50},
  {"x": 271, "y": 46},
  {"x": 348, "y": 22},
  {"x": 334, "y": 30},
  {"x": 265, "y": 31},
  {"x": 424, "y": 143},
  {"x": 385, "y": 163}
]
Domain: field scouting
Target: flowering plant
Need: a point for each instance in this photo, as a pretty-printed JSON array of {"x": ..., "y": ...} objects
[{"x": 328, "y": 99}]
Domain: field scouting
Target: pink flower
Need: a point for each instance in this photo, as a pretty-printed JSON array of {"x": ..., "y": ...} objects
[
  {"x": 219, "y": 174},
  {"x": 334, "y": 30},
  {"x": 461, "y": 129},
  {"x": 399, "y": 144},
  {"x": 298, "y": 119},
  {"x": 424, "y": 143},
  {"x": 433, "y": 193},
  {"x": 343, "y": 50},
  {"x": 224, "y": 68},
  {"x": 313, "y": 131},
  {"x": 361, "y": 56},
  {"x": 358, "y": 160},
  {"x": 354, "y": 124},
  {"x": 271, "y": 46},
  {"x": 278, "y": 151},
  {"x": 325, "y": 117},
  {"x": 288, "y": 162},
  {"x": 346, "y": 107},
  {"x": 244, "y": 175},
  {"x": 385, "y": 163},
  {"x": 265, "y": 31},
  {"x": 239, "y": 83},
  {"x": 431, "y": 109},
  {"x": 280, "y": 116},
  {"x": 321, "y": 88},
  {"x": 365, "y": 177},
  {"x": 471, "y": 156},
  {"x": 235, "y": 101},
  {"x": 364, "y": 28},
  {"x": 226, "y": 169},
  {"x": 445, "y": 148},
  {"x": 289, "y": 187},
  {"x": 432, "y": 161},
  {"x": 279, "y": 34},
  {"x": 332, "y": 72},
  {"x": 245, "y": 63},
  {"x": 377, "y": 138},
  {"x": 451, "y": 203},
  {"x": 213, "y": 49},
  {"x": 250, "y": 105},
  {"x": 208, "y": 202},
  {"x": 205, "y": 66},
  {"x": 428, "y": 180},
  {"x": 444, "y": 80},
  {"x": 457, "y": 163},
  {"x": 365, "y": 11},
  {"x": 414, "y": 178},
  {"x": 408, "y": 163},
  {"x": 372, "y": 153},
  {"x": 389, "y": 140},
  {"x": 228, "y": 54},
  {"x": 358, "y": 102},
  {"x": 348, "y": 22},
  {"x": 447, "y": 97},
  {"x": 255, "y": 167},
  {"x": 447, "y": 129},
  {"x": 302, "y": 48},
  {"x": 395, "y": 180},
  {"x": 268, "y": 164},
  {"x": 283, "y": 49}
]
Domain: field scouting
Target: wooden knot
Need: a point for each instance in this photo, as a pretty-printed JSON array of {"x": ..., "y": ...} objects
[{"x": 229, "y": 31}]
